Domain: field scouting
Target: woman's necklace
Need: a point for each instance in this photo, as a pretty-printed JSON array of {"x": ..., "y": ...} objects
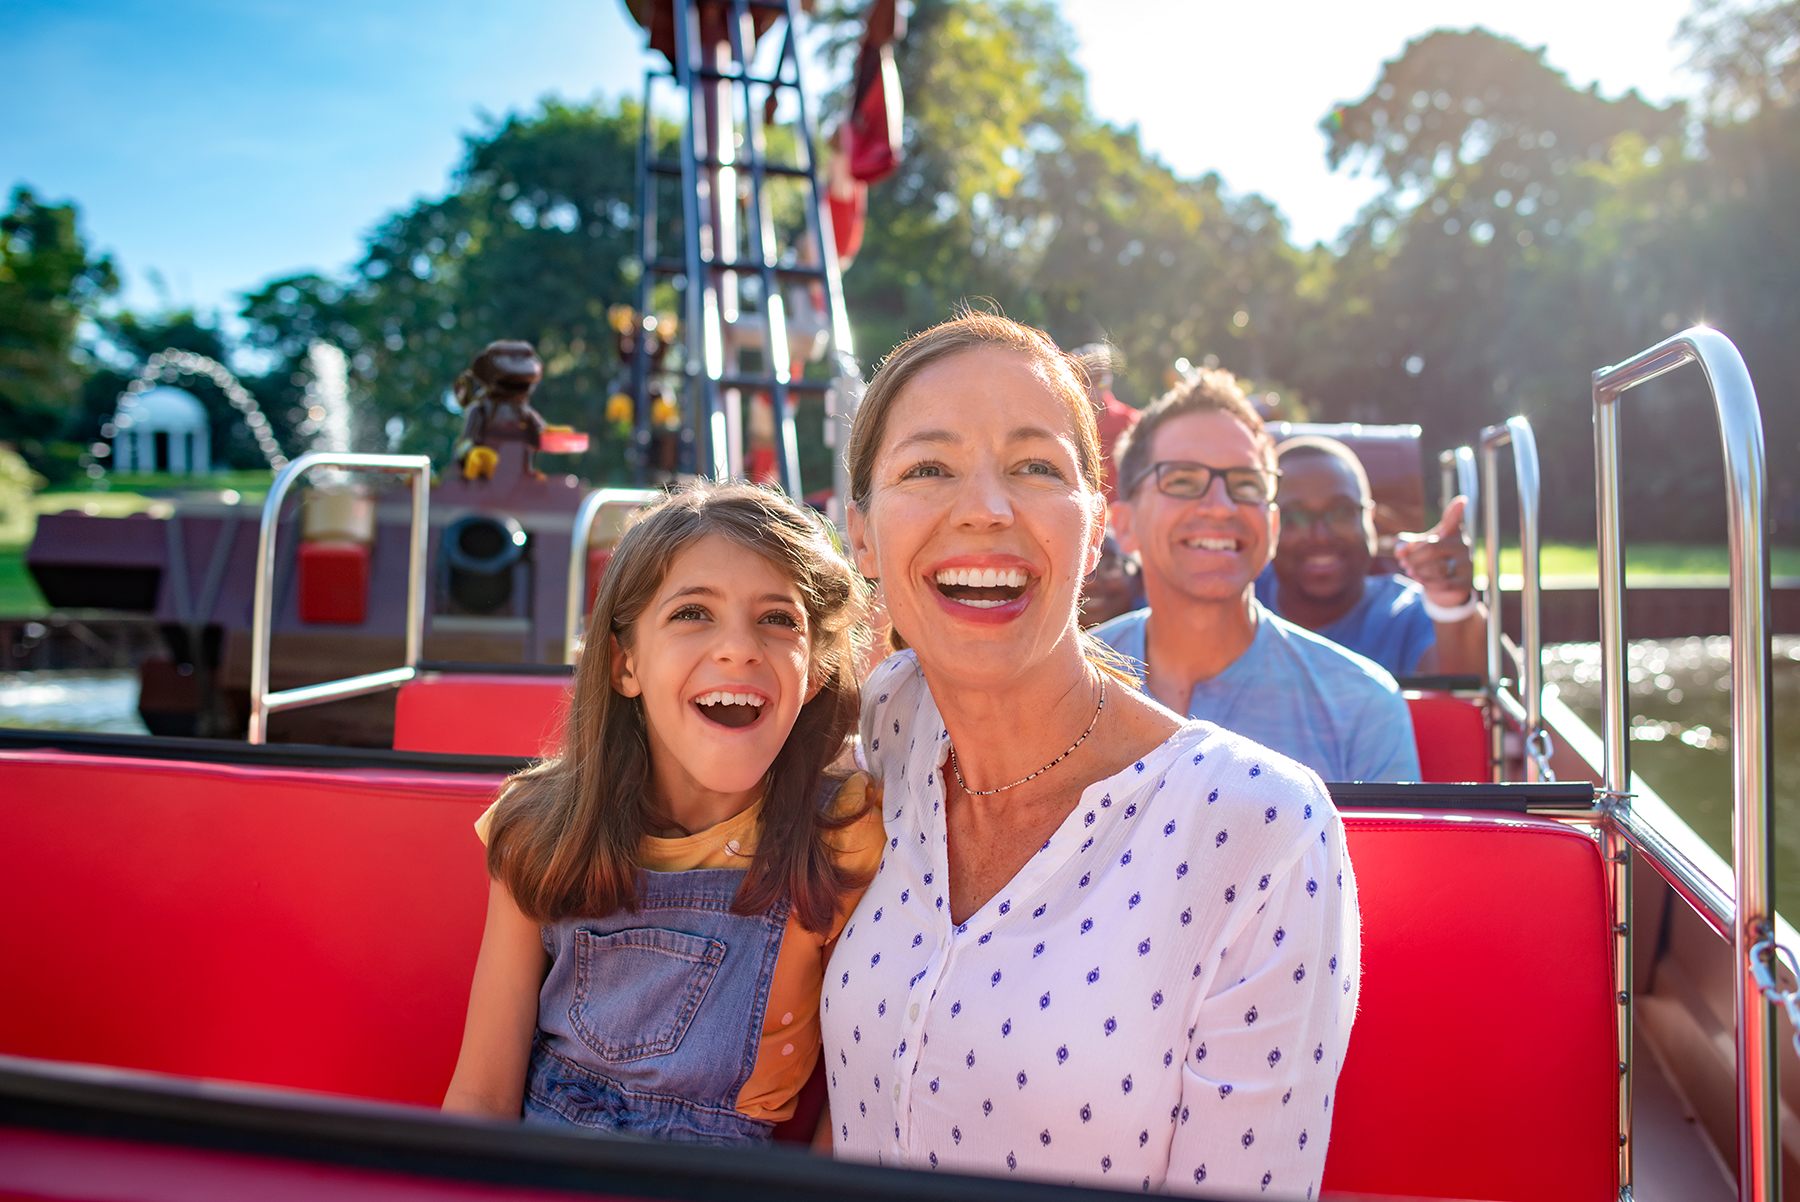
[{"x": 1053, "y": 763}]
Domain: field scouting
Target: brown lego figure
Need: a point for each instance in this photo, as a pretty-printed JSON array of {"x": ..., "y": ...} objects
[{"x": 495, "y": 392}]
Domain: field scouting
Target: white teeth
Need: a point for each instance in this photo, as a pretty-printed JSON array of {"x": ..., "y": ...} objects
[
  {"x": 1213, "y": 544},
  {"x": 719, "y": 697},
  {"x": 978, "y": 604},
  {"x": 984, "y": 577}
]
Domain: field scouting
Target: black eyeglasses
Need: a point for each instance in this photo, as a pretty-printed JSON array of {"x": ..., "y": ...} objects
[
  {"x": 1187, "y": 481},
  {"x": 1343, "y": 516}
]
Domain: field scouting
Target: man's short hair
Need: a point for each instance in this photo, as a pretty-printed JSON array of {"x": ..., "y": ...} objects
[
  {"x": 1203, "y": 390},
  {"x": 1316, "y": 446}
]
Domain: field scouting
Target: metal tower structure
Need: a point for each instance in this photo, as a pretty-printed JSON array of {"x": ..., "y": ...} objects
[{"x": 756, "y": 267}]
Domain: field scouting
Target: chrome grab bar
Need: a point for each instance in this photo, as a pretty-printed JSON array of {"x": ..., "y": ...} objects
[
  {"x": 1458, "y": 477},
  {"x": 262, "y": 702},
  {"x": 1753, "y": 915},
  {"x": 1516, "y": 432},
  {"x": 591, "y": 505}
]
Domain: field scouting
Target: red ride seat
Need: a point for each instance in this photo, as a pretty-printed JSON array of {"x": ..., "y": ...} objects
[
  {"x": 481, "y": 713},
  {"x": 307, "y": 928},
  {"x": 1452, "y": 738},
  {"x": 1483, "y": 1063},
  {"x": 317, "y": 929}
]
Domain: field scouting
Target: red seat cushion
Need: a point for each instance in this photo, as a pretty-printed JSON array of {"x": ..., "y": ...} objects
[
  {"x": 315, "y": 929},
  {"x": 318, "y": 929},
  {"x": 481, "y": 714},
  {"x": 1483, "y": 1061},
  {"x": 1452, "y": 738}
]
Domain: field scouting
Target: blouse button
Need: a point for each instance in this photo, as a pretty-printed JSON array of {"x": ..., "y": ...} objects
[{"x": 914, "y": 1012}]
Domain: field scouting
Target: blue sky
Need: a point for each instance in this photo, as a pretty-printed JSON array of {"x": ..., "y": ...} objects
[{"x": 225, "y": 144}]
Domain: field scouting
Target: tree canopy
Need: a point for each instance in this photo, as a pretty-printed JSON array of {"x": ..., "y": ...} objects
[{"x": 1528, "y": 231}]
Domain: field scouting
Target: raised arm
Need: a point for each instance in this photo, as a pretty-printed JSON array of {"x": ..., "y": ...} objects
[
  {"x": 1441, "y": 561},
  {"x": 496, "y": 1047},
  {"x": 1269, "y": 1038}
]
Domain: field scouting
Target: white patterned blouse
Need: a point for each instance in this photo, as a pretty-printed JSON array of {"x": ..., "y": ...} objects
[{"x": 1160, "y": 999}]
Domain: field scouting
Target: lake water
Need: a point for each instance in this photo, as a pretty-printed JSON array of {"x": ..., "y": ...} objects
[
  {"x": 1681, "y": 733},
  {"x": 71, "y": 700}
]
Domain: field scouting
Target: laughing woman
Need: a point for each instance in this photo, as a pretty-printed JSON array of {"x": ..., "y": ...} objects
[{"x": 1105, "y": 946}]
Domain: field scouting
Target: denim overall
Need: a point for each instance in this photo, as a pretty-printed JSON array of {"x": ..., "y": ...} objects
[{"x": 649, "y": 1022}]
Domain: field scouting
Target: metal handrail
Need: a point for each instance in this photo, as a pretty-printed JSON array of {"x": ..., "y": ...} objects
[
  {"x": 1515, "y": 432},
  {"x": 591, "y": 505},
  {"x": 1458, "y": 477},
  {"x": 262, "y": 702},
  {"x": 1753, "y": 914}
]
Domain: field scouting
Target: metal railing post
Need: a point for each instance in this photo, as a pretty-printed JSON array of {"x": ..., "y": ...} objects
[
  {"x": 262, "y": 621},
  {"x": 1746, "y": 482},
  {"x": 585, "y": 517},
  {"x": 1516, "y": 432},
  {"x": 1458, "y": 477}
]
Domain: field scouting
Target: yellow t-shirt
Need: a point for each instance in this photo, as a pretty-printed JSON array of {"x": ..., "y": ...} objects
[{"x": 790, "y": 1038}]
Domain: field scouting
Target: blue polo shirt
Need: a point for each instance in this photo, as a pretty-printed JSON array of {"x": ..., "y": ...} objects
[
  {"x": 1389, "y": 625},
  {"x": 1301, "y": 695}
]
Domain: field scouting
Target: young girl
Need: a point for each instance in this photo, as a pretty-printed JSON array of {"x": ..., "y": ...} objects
[{"x": 665, "y": 892}]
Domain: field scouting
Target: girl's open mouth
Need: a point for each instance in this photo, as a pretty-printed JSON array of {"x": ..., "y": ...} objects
[
  {"x": 736, "y": 710},
  {"x": 982, "y": 588}
]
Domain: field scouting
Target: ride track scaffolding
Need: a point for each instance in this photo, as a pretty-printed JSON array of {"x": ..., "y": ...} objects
[{"x": 728, "y": 233}]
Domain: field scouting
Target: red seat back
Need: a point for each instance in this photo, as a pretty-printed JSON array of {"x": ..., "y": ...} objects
[
  {"x": 481, "y": 714},
  {"x": 1483, "y": 1062},
  {"x": 315, "y": 929},
  {"x": 318, "y": 929},
  {"x": 1452, "y": 738}
]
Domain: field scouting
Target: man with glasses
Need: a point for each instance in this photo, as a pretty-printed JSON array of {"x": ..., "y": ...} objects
[
  {"x": 1320, "y": 578},
  {"x": 1197, "y": 504}
]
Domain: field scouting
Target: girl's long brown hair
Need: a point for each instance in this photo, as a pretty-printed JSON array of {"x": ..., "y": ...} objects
[{"x": 565, "y": 836}]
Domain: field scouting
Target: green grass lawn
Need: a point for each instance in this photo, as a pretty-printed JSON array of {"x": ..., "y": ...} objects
[
  {"x": 1643, "y": 559},
  {"x": 19, "y": 596}
]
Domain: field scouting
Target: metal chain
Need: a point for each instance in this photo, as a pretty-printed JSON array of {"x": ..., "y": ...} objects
[
  {"x": 1537, "y": 746},
  {"x": 1763, "y": 955}
]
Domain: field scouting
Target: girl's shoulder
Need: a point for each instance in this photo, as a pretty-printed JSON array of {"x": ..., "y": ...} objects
[{"x": 858, "y": 843}]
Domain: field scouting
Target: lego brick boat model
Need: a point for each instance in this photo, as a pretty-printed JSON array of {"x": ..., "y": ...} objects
[{"x": 496, "y": 547}]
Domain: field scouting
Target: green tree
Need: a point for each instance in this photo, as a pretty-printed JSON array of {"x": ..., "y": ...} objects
[
  {"x": 1473, "y": 288},
  {"x": 49, "y": 284},
  {"x": 1013, "y": 191},
  {"x": 535, "y": 240}
]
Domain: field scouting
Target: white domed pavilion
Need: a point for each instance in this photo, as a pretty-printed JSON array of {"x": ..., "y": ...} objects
[{"x": 162, "y": 429}]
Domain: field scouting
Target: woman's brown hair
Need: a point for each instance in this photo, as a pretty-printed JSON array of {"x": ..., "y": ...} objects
[
  {"x": 566, "y": 834},
  {"x": 969, "y": 330}
]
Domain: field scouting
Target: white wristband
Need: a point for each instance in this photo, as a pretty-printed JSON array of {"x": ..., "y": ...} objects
[{"x": 1451, "y": 613}]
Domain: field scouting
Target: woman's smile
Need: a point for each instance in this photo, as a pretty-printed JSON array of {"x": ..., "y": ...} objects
[{"x": 995, "y": 588}]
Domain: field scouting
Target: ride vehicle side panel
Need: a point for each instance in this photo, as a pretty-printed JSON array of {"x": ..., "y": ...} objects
[
  {"x": 312, "y": 929},
  {"x": 46, "y": 1164},
  {"x": 1482, "y": 1062}
]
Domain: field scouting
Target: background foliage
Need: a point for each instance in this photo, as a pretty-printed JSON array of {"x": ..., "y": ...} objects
[{"x": 1528, "y": 232}]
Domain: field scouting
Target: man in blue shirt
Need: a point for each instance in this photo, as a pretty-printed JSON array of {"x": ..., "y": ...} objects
[
  {"x": 1196, "y": 503},
  {"x": 1320, "y": 577}
]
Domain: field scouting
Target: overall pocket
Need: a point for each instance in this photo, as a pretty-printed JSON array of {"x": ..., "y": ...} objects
[{"x": 636, "y": 991}]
